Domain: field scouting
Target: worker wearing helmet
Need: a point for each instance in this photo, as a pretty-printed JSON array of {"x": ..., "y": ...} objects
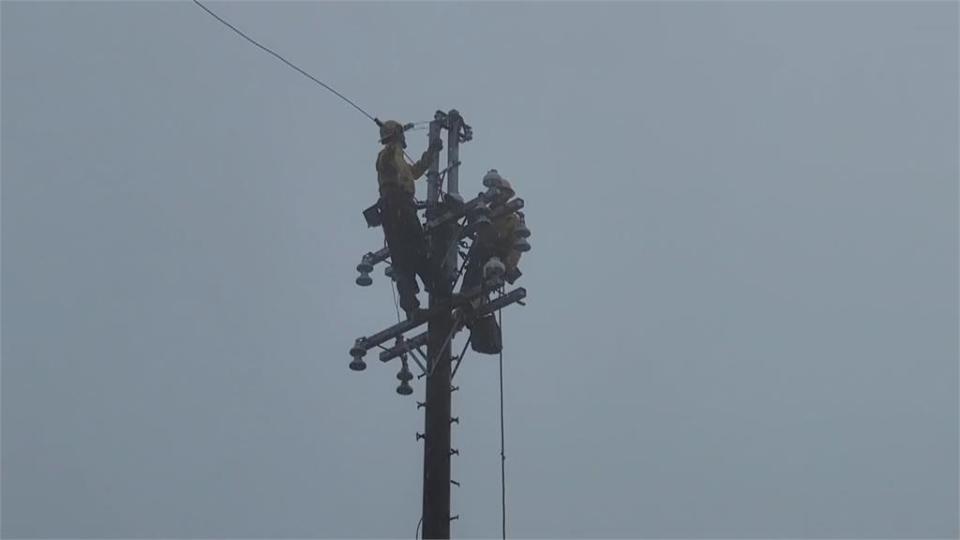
[
  {"x": 401, "y": 225},
  {"x": 509, "y": 232},
  {"x": 494, "y": 243},
  {"x": 498, "y": 240}
]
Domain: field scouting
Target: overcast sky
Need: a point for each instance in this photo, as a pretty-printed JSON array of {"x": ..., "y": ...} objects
[{"x": 743, "y": 291}]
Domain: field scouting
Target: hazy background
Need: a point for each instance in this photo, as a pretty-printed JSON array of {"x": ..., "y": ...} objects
[{"x": 743, "y": 288}]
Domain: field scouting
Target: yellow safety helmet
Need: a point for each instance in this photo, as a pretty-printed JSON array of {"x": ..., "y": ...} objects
[{"x": 389, "y": 130}]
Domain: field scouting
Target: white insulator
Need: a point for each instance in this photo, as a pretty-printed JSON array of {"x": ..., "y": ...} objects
[{"x": 493, "y": 268}]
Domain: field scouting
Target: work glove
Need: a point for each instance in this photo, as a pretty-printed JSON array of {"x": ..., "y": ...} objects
[{"x": 436, "y": 145}]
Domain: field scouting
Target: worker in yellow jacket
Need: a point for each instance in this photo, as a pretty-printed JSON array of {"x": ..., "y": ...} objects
[
  {"x": 495, "y": 242},
  {"x": 398, "y": 211}
]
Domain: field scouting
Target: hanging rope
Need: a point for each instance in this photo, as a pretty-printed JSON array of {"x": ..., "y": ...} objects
[
  {"x": 393, "y": 285},
  {"x": 503, "y": 456}
]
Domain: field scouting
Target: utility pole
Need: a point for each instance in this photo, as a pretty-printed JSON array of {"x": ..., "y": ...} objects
[
  {"x": 444, "y": 231},
  {"x": 436, "y": 448}
]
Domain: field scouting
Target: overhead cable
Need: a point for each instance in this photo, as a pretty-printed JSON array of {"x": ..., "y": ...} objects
[{"x": 285, "y": 61}]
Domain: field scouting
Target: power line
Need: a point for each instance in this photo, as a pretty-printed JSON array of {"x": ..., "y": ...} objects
[{"x": 285, "y": 61}]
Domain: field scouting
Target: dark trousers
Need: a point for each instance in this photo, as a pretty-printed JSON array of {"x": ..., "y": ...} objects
[{"x": 408, "y": 247}]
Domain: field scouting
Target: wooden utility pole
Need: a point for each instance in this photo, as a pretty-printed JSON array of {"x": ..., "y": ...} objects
[{"x": 443, "y": 263}]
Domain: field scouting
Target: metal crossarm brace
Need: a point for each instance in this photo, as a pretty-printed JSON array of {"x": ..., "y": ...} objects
[
  {"x": 511, "y": 297},
  {"x": 364, "y": 344},
  {"x": 404, "y": 347},
  {"x": 419, "y": 340}
]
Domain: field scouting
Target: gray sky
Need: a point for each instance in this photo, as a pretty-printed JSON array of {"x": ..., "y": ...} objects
[{"x": 743, "y": 288}]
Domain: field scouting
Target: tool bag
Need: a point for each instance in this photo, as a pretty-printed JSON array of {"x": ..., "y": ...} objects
[{"x": 373, "y": 216}]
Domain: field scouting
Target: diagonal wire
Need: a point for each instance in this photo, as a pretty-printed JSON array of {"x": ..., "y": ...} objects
[
  {"x": 285, "y": 61},
  {"x": 460, "y": 357},
  {"x": 297, "y": 69}
]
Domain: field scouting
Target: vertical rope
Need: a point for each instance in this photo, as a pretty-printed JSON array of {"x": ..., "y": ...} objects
[
  {"x": 503, "y": 456},
  {"x": 393, "y": 283}
]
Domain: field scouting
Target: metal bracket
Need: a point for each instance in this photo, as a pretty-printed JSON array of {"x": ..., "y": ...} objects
[
  {"x": 404, "y": 346},
  {"x": 417, "y": 354},
  {"x": 465, "y": 133},
  {"x": 448, "y": 168},
  {"x": 364, "y": 344}
]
